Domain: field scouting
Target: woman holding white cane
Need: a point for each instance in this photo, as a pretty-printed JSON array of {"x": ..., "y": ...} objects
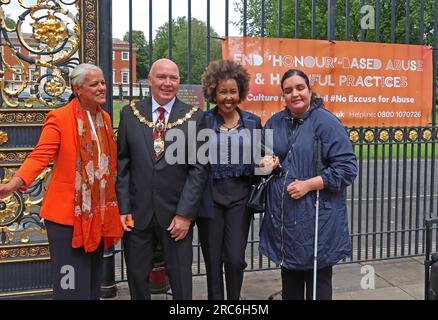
[{"x": 306, "y": 134}]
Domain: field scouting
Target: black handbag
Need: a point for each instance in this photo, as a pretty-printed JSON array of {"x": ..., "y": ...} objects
[{"x": 257, "y": 197}]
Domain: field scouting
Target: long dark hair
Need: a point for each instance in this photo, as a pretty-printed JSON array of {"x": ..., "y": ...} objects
[{"x": 295, "y": 72}]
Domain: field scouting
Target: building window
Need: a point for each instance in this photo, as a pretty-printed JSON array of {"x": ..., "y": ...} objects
[
  {"x": 31, "y": 54},
  {"x": 125, "y": 77},
  {"x": 125, "y": 55},
  {"x": 17, "y": 76},
  {"x": 114, "y": 55},
  {"x": 32, "y": 75},
  {"x": 114, "y": 76}
]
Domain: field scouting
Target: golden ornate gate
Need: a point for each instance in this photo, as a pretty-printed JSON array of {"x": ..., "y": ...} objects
[{"x": 40, "y": 43}]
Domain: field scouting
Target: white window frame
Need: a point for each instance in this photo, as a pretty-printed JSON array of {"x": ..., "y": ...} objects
[
  {"x": 126, "y": 73},
  {"x": 16, "y": 75},
  {"x": 114, "y": 55},
  {"x": 125, "y": 55},
  {"x": 31, "y": 77}
]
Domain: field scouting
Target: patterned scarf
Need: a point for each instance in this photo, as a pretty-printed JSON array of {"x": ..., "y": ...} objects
[{"x": 96, "y": 212}]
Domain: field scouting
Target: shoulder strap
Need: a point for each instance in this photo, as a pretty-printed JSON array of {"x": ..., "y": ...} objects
[
  {"x": 318, "y": 155},
  {"x": 294, "y": 135}
]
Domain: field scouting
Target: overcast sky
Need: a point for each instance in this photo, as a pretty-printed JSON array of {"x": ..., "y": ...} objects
[{"x": 160, "y": 9}]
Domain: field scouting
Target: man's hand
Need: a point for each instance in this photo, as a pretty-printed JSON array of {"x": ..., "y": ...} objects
[
  {"x": 8, "y": 188},
  {"x": 127, "y": 222},
  {"x": 179, "y": 227}
]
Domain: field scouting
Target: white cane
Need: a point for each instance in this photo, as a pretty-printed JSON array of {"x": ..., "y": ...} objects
[
  {"x": 315, "y": 250},
  {"x": 318, "y": 165}
]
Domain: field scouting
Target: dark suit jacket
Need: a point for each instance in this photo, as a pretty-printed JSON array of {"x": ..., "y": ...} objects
[
  {"x": 145, "y": 186},
  {"x": 251, "y": 122}
]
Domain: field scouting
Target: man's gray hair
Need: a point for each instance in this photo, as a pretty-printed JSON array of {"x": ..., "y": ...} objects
[{"x": 78, "y": 74}]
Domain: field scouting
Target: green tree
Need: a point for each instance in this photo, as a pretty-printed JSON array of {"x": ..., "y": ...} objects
[
  {"x": 180, "y": 46},
  {"x": 142, "y": 54},
  {"x": 321, "y": 9},
  {"x": 254, "y": 16},
  {"x": 9, "y": 22}
]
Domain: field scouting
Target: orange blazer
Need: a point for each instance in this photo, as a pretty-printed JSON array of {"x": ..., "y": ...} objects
[{"x": 58, "y": 142}]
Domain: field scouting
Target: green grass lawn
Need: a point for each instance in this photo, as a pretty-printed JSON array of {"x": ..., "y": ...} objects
[
  {"x": 396, "y": 151},
  {"x": 408, "y": 149},
  {"x": 117, "y": 107}
]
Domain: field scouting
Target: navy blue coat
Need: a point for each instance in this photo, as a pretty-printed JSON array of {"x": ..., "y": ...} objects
[{"x": 288, "y": 228}]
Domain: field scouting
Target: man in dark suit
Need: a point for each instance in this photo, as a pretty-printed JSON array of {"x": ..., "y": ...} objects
[{"x": 161, "y": 198}]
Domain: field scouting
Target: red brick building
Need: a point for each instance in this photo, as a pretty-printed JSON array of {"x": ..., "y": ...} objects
[
  {"x": 25, "y": 71},
  {"x": 121, "y": 62},
  {"x": 121, "y": 68},
  {"x": 120, "y": 57}
]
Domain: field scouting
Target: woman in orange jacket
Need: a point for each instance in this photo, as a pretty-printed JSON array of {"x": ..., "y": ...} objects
[{"x": 79, "y": 208}]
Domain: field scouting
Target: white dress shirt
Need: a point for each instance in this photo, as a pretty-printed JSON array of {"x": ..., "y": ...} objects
[{"x": 167, "y": 107}]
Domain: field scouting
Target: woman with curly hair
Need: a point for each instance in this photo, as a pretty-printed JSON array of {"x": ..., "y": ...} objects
[{"x": 224, "y": 236}]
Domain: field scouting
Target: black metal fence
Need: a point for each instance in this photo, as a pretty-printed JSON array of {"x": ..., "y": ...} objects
[{"x": 397, "y": 184}]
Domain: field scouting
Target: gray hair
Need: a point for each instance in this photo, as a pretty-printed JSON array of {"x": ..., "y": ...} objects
[{"x": 78, "y": 74}]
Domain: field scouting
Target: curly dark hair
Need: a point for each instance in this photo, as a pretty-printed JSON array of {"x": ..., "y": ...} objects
[{"x": 223, "y": 70}]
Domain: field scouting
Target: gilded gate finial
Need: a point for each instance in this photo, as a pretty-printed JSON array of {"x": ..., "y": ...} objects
[
  {"x": 3, "y": 137},
  {"x": 51, "y": 50},
  {"x": 50, "y": 31}
]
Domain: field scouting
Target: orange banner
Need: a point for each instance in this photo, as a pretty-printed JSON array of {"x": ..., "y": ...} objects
[{"x": 362, "y": 83}]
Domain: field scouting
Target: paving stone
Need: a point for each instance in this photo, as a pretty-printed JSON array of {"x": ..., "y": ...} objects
[
  {"x": 348, "y": 278},
  {"x": 342, "y": 296},
  {"x": 398, "y": 279},
  {"x": 391, "y": 293},
  {"x": 400, "y": 272},
  {"x": 414, "y": 290}
]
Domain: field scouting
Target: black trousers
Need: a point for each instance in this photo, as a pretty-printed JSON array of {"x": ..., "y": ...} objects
[
  {"x": 224, "y": 238},
  {"x": 77, "y": 275},
  {"x": 139, "y": 246},
  {"x": 297, "y": 285}
]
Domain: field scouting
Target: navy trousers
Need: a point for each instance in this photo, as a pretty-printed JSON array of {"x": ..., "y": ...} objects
[
  {"x": 298, "y": 285},
  {"x": 77, "y": 275},
  {"x": 224, "y": 237}
]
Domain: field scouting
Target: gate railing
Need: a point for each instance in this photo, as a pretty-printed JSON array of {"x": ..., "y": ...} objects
[
  {"x": 396, "y": 186},
  {"x": 41, "y": 41}
]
